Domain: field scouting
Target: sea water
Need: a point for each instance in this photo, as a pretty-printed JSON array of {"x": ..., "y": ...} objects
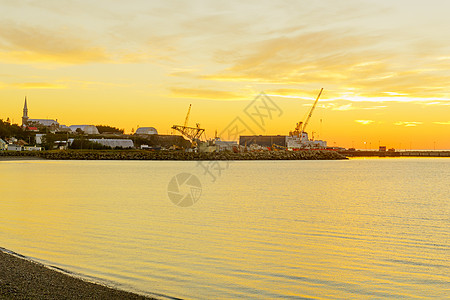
[{"x": 360, "y": 228}]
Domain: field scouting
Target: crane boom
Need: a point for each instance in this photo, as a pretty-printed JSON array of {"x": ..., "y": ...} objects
[
  {"x": 311, "y": 111},
  {"x": 192, "y": 133},
  {"x": 187, "y": 116}
]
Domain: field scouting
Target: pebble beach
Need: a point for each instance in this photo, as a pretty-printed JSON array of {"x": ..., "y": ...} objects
[{"x": 21, "y": 278}]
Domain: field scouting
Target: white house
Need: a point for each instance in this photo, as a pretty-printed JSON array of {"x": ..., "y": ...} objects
[
  {"x": 39, "y": 137},
  {"x": 12, "y": 147},
  {"x": 32, "y": 148},
  {"x": 2, "y": 145}
]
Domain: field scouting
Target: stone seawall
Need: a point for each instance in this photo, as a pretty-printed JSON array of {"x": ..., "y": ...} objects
[
  {"x": 173, "y": 155},
  {"x": 413, "y": 153}
]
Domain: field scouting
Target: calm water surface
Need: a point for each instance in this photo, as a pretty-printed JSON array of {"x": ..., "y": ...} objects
[{"x": 363, "y": 228}]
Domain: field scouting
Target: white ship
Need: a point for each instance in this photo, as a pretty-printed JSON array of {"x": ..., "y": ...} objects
[
  {"x": 297, "y": 142},
  {"x": 298, "y": 139}
]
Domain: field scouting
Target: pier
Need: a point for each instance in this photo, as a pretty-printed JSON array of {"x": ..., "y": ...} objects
[
  {"x": 410, "y": 153},
  {"x": 171, "y": 155}
]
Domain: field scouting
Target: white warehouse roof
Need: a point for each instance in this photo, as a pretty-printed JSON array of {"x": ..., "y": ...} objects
[
  {"x": 88, "y": 129},
  {"x": 44, "y": 122},
  {"x": 114, "y": 143},
  {"x": 146, "y": 130}
]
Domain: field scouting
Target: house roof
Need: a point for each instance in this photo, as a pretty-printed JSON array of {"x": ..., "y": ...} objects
[{"x": 45, "y": 122}]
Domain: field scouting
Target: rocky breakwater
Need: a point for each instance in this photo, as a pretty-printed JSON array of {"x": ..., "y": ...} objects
[{"x": 175, "y": 155}]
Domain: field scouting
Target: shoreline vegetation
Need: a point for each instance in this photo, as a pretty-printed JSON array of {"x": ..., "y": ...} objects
[
  {"x": 168, "y": 155},
  {"x": 21, "y": 278}
]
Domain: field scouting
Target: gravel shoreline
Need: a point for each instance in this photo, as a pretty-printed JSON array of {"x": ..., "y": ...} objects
[
  {"x": 24, "y": 279},
  {"x": 14, "y": 158}
]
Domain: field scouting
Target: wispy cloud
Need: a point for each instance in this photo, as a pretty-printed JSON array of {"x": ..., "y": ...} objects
[
  {"x": 61, "y": 84},
  {"x": 87, "y": 84},
  {"x": 358, "y": 98},
  {"x": 350, "y": 106},
  {"x": 22, "y": 44},
  {"x": 306, "y": 57},
  {"x": 183, "y": 72},
  {"x": 344, "y": 107},
  {"x": 394, "y": 94},
  {"x": 407, "y": 124},
  {"x": 364, "y": 122},
  {"x": 442, "y": 123},
  {"x": 201, "y": 93},
  {"x": 375, "y": 107},
  {"x": 340, "y": 59},
  {"x": 38, "y": 85}
]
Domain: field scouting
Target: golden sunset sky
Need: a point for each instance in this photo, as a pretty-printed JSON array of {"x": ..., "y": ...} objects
[{"x": 384, "y": 65}]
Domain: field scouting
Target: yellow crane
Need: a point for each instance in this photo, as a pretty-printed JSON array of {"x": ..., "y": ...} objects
[
  {"x": 192, "y": 133},
  {"x": 301, "y": 126},
  {"x": 187, "y": 116}
]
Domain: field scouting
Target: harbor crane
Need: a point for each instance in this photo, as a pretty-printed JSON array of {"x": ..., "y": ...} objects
[
  {"x": 301, "y": 126},
  {"x": 192, "y": 133},
  {"x": 187, "y": 116}
]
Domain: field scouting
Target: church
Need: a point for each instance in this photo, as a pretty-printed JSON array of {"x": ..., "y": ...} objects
[{"x": 27, "y": 122}]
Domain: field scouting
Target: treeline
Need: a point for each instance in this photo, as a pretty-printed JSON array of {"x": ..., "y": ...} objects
[
  {"x": 49, "y": 141},
  {"x": 8, "y": 130},
  {"x": 109, "y": 129},
  {"x": 82, "y": 143}
]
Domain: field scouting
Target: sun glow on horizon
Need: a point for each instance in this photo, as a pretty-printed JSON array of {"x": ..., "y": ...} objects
[{"x": 385, "y": 75}]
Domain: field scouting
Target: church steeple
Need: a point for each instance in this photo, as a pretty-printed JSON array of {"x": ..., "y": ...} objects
[{"x": 25, "y": 113}]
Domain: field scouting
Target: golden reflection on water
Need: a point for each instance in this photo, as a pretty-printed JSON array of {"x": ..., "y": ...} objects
[{"x": 268, "y": 229}]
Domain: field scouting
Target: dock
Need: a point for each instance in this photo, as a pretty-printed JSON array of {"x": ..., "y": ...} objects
[{"x": 410, "y": 153}]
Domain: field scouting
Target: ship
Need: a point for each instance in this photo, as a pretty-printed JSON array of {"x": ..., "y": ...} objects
[
  {"x": 302, "y": 142},
  {"x": 298, "y": 138}
]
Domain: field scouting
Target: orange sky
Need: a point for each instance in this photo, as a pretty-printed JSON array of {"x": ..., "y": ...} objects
[{"x": 384, "y": 66}]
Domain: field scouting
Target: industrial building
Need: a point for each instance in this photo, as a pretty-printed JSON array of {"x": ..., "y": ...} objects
[
  {"x": 113, "y": 143},
  {"x": 88, "y": 129},
  {"x": 263, "y": 140},
  {"x": 146, "y": 130},
  {"x": 225, "y": 145},
  {"x": 296, "y": 140}
]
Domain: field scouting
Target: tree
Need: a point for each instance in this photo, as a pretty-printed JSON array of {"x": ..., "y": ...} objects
[
  {"x": 48, "y": 140},
  {"x": 13, "y": 130},
  {"x": 83, "y": 143},
  {"x": 109, "y": 129}
]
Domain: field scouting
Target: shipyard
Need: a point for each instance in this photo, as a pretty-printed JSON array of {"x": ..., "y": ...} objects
[
  {"x": 224, "y": 149},
  {"x": 50, "y": 135}
]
